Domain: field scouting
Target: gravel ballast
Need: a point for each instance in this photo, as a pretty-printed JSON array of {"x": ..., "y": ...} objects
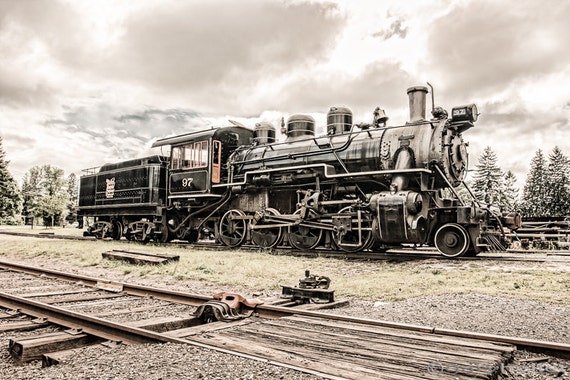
[
  {"x": 472, "y": 312},
  {"x": 493, "y": 315}
]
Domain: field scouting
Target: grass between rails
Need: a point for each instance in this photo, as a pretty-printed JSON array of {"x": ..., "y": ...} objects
[{"x": 262, "y": 271}]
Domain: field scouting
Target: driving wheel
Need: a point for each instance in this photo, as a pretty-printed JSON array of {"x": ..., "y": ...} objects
[
  {"x": 233, "y": 228},
  {"x": 267, "y": 237}
]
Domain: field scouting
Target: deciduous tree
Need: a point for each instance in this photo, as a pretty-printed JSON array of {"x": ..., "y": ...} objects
[{"x": 45, "y": 194}]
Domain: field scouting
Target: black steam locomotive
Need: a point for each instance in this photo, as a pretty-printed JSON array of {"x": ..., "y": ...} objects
[{"x": 365, "y": 186}]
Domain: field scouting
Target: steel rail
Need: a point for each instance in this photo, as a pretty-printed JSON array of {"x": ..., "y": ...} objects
[
  {"x": 122, "y": 333},
  {"x": 131, "y": 289},
  {"x": 271, "y": 311},
  {"x": 91, "y": 325},
  {"x": 400, "y": 254},
  {"x": 119, "y": 331}
]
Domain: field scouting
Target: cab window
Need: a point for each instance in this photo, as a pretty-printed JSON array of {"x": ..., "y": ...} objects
[
  {"x": 189, "y": 156},
  {"x": 176, "y": 160}
]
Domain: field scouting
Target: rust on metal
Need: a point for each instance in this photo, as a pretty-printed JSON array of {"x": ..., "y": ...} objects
[
  {"x": 226, "y": 307},
  {"x": 311, "y": 289}
]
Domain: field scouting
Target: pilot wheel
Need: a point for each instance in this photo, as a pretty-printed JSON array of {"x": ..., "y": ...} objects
[{"x": 452, "y": 240}]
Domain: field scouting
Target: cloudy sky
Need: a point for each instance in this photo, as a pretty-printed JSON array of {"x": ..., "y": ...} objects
[{"x": 86, "y": 82}]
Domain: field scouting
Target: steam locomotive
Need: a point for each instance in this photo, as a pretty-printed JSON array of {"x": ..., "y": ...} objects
[{"x": 367, "y": 186}]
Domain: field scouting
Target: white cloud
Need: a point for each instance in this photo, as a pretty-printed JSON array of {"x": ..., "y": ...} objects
[{"x": 83, "y": 82}]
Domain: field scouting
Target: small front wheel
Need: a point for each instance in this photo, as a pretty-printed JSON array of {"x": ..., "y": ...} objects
[{"x": 452, "y": 240}]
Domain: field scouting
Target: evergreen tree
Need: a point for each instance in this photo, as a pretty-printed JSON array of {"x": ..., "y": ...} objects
[
  {"x": 509, "y": 193},
  {"x": 9, "y": 193},
  {"x": 487, "y": 181},
  {"x": 557, "y": 184},
  {"x": 534, "y": 203}
]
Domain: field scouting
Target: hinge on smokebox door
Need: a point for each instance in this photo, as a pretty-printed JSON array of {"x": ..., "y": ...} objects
[
  {"x": 311, "y": 289},
  {"x": 226, "y": 307}
]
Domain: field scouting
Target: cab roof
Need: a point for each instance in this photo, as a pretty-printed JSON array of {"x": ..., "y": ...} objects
[{"x": 217, "y": 133}]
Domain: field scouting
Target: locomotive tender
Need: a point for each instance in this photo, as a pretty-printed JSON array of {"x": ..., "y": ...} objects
[{"x": 359, "y": 187}]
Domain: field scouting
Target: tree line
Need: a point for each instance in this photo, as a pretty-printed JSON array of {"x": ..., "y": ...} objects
[
  {"x": 48, "y": 195},
  {"x": 546, "y": 192}
]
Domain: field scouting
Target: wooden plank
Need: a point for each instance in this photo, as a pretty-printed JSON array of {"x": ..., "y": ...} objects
[
  {"x": 58, "y": 293},
  {"x": 22, "y": 285},
  {"x": 57, "y": 357},
  {"x": 357, "y": 366},
  {"x": 359, "y": 347},
  {"x": 88, "y": 297},
  {"x": 109, "y": 301},
  {"x": 22, "y": 326},
  {"x": 162, "y": 324},
  {"x": 140, "y": 257},
  {"x": 125, "y": 311},
  {"x": 10, "y": 314},
  {"x": 359, "y": 351},
  {"x": 363, "y": 351},
  {"x": 320, "y": 363},
  {"x": 32, "y": 348},
  {"x": 453, "y": 351},
  {"x": 164, "y": 255},
  {"x": 402, "y": 334},
  {"x": 208, "y": 327}
]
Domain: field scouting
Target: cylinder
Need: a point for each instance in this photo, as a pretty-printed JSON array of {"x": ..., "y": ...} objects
[
  {"x": 417, "y": 97},
  {"x": 339, "y": 120},
  {"x": 264, "y": 133},
  {"x": 300, "y": 126}
]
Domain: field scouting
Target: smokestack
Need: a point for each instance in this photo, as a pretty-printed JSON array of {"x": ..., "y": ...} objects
[{"x": 417, "y": 97}]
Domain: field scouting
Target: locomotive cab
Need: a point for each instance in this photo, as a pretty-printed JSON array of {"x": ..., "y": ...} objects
[{"x": 196, "y": 162}]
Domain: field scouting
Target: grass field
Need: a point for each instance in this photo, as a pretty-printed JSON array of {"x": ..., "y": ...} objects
[{"x": 264, "y": 271}]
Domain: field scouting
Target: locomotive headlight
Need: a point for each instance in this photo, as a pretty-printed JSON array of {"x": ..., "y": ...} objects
[{"x": 465, "y": 113}]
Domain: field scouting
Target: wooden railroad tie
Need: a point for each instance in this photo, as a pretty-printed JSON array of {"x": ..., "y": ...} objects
[
  {"x": 140, "y": 257},
  {"x": 32, "y": 348}
]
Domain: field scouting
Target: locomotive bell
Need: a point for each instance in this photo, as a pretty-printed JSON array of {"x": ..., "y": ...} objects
[
  {"x": 417, "y": 97},
  {"x": 380, "y": 117}
]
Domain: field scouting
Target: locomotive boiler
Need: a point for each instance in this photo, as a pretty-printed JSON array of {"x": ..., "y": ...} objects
[{"x": 366, "y": 186}]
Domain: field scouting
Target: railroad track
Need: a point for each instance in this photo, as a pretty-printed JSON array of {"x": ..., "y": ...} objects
[
  {"x": 95, "y": 311},
  {"x": 396, "y": 254},
  {"x": 405, "y": 254}
]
